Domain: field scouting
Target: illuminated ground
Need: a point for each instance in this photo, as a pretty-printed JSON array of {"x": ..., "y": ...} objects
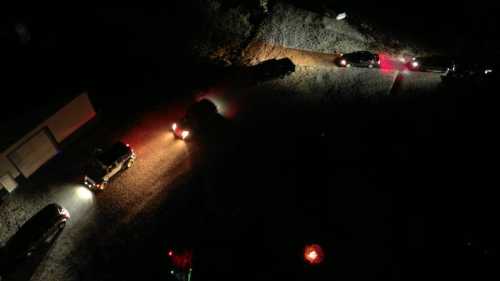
[{"x": 98, "y": 217}]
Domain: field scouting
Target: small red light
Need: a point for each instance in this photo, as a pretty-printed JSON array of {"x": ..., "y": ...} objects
[
  {"x": 128, "y": 145},
  {"x": 181, "y": 259}
]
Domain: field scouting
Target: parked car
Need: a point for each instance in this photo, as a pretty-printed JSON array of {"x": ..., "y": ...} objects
[
  {"x": 273, "y": 68},
  {"x": 106, "y": 164},
  {"x": 195, "y": 120},
  {"x": 429, "y": 64},
  {"x": 41, "y": 228},
  {"x": 358, "y": 59}
]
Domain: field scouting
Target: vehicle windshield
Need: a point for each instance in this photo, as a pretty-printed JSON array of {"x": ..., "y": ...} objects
[
  {"x": 184, "y": 123},
  {"x": 115, "y": 152},
  {"x": 95, "y": 172},
  {"x": 360, "y": 56}
]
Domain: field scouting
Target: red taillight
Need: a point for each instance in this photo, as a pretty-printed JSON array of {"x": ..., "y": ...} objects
[{"x": 181, "y": 259}]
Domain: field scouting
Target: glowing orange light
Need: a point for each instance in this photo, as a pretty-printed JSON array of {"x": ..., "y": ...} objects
[{"x": 313, "y": 254}]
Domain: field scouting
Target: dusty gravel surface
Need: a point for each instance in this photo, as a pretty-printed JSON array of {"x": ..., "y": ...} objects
[
  {"x": 97, "y": 218},
  {"x": 118, "y": 221}
]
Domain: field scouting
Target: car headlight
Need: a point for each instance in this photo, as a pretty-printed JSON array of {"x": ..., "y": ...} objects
[
  {"x": 343, "y": 62},
  {"x": 414, "y": 64},
  {"x": 65, "y": 213},
  {"x": 184, "y": 134},
  {"x": 174, "y": 126}
]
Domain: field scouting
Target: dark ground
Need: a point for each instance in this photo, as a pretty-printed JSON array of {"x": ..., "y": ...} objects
[
  {"x": 393, "y": 190},
  {"x": 397, "y": 189}
]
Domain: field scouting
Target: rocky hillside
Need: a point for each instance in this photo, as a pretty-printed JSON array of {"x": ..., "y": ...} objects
[
  {"x": 295, "y": 28},
  {"x": 228, "y": 27}
]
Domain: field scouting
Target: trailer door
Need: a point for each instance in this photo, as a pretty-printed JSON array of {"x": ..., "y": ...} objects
[{"x": 34, "y": 152}]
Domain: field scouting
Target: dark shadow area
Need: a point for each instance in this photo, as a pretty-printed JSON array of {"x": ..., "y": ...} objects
[{"x": 397, "y": 188}]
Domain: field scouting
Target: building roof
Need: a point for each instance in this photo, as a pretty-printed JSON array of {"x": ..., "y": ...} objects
[{"x": 22, "y": 113}]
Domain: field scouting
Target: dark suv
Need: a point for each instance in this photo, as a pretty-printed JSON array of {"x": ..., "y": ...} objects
[
  {"x": 437, "y": 64},
  {"x": 106, "y": 164},
  {"x": 273, "y": 68},
  {"x": 40, "y": 228},
  {"x": 358, "y": 59},
  {"x": 195, "y": 120}
]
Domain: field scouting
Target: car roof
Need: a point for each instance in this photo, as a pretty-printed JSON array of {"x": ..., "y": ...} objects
[
  {"x": 49, "y": 212},
  {"x": 117, "y": 150},
  {"x": 362, "y": 52},
  {"x": 95, "y": 171},
  {"x": 202, "y": 107},
  {"x": 359, "y": 53},
  {"x": 33, "y": 228}
]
